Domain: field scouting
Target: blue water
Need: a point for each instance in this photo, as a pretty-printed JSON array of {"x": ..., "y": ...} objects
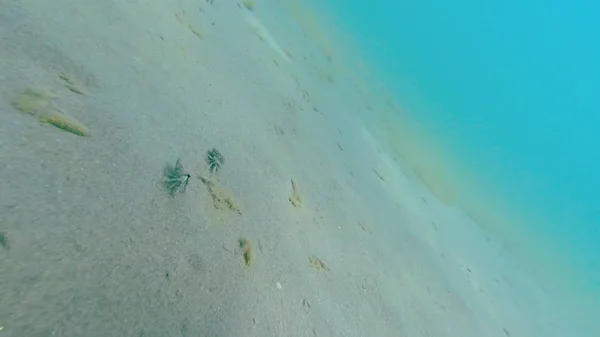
[{"x": 511, "y": 89}]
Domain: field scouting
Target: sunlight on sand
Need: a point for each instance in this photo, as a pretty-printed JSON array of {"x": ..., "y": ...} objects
[{"x": 263, "y": 33}]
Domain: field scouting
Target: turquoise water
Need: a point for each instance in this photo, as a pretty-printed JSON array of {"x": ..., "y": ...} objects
[{"x": 510, "y": 88}]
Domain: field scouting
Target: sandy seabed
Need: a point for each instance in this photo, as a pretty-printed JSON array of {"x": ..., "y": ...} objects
[{"x": 309, "y": 228}]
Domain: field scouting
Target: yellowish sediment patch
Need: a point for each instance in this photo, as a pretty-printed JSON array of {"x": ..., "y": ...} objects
[
  {"x": 65, "y": 123},
  {"x": 33, "y": 101},
  {"x": 222, "y": 199},
  {"x": 317, "y": 263}
]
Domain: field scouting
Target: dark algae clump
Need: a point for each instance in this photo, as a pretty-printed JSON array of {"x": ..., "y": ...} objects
[
  {"x": 175, "y": 178},
  {"x": 215, "y": 160}
]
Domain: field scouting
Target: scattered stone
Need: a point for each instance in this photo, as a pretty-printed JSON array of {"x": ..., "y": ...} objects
[
  {"x": 195, "y": 31},
  {"x": 295, "y": 199},
  {"x": 365, "y": 227},
  {"x": 72, "y": 84},
  {"x": 378, "y": 174},
  {"x": 246, "y": 250},
  {"x": 4, "y": 241}
]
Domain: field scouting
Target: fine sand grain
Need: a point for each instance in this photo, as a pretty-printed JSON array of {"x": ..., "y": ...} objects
[{"x": 92, "y": 245}]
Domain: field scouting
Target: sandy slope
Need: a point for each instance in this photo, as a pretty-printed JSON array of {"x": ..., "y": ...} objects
[{"x": 93, "y": 246}]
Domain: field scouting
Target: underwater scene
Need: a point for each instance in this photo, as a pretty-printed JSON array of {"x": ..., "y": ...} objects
[{"x": 299, "y": 168}]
